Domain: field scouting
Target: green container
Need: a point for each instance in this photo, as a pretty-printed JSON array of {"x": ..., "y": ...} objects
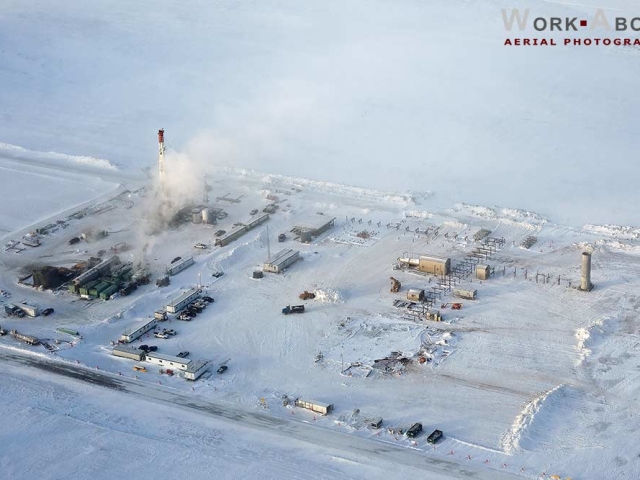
[
  {"x": 98, "y": 289},
  {"x": 108, "y": 292}
]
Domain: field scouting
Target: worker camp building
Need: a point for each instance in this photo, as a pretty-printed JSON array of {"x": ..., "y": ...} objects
[
  {"x": 168, "y": 361},
  {"x": 133, "y": 334},
  {"x": 182, "y": 300},
  {"x": 309, "y": 228},
  {"x": 240, "y": 230},
  {"x": 179, "y": 266},
  {"x": 196, "y": 369},
  {"x": 125, "y": 351},
  {"x": 283, "y": 259}
]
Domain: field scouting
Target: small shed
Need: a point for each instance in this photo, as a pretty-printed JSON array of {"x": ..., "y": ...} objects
[
  {"x": 415, "y": 294},
  {"x": 466, "y": 294},
  {"x": 483, "y": 272}
]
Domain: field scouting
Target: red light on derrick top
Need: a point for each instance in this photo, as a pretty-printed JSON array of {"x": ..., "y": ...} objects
[{"x": 161, "y": 136}]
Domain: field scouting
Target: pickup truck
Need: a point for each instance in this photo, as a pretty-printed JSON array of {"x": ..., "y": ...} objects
[{"x": 293, "y": 309}]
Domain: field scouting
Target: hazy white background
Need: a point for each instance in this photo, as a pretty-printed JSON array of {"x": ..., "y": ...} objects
[{"x": 394, "y": 95}]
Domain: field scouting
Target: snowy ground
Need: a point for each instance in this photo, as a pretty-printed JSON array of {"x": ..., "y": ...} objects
[
  {"x": 525, "y": 380},
  {"x": 423, "y": 109}
]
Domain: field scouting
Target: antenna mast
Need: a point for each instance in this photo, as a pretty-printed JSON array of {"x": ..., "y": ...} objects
[{"x": 268, "y": 246}]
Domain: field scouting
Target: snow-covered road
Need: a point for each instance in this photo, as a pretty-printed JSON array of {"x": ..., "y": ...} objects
[{"x": 348, "y": 447}]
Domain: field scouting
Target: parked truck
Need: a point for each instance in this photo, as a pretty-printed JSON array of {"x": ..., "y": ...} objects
[{"x": 293, "y": 309}]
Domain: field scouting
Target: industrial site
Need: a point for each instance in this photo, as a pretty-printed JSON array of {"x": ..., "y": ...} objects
[{"x": 466, "y": 334}]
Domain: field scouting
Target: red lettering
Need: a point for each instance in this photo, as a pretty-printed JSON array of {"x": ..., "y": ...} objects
[
  {"x": 527, "y": 41},
  {"x": 517, "y": 42},
  {"x": 508, "y": 42}
]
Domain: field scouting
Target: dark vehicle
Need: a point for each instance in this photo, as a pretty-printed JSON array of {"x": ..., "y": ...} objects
[
  {"x": 435, "y": 436},
  {"x": 254, "y": 211},
  {"x": 153, "y": 348},
  {"x": 74, "y": 240},
  {"x": 217, "y": 274},
  {"x": 184, "y": 316},
  {"x": 222, "y": 369},
  {"x": 183, "y": 354},
  {"x": 293, "y": 309},
  {"x": 176, "y": 259},
  {"x": 414, "y": 430},
  {"x": 195, "y": 307},
  {"x": 219, "y": 233},
  {"x": 19, "y": 313},
  {"x": 208, "y": 299},
  {"x": 282, "y": 237},
  {"x": 47, "y": 311},
  {"x": 144, "y": 347}
]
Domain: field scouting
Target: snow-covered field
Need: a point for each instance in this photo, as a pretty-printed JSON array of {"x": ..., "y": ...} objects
[
  {"x": 414, "y": 127},
  {"x": 532, "y": 377}
]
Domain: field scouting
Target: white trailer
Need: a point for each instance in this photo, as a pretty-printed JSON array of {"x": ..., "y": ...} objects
[
  {"x": 132, "y": 334},
  {"x": 30, "y": 310},
  {"x": 182, "y": 300},
  {"x": 318, "y": 407},
  {"x": 168, "y": 361},
  {"x": 196, "y": 369}
]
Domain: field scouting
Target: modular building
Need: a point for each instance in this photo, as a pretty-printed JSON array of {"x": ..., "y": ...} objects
[
  {"x": 257, "y": 221},
  {"x": 179, "y": 266},
  {"x": 84, "y": 289},
  {"x": 483, "y": 272},
  {"x": 318, "y": 407},
  {"x": 132, "y": 334},
  {"x": 312, "y": 227},
  {"x": 467, "y": 294},
  {"x": 106, "y": 294},
  {"x": 434, "y": 265},
  {"x": 233, "y": 235},
  {"x": 182, "y": 300},
  {"x": 415, "y": 294},
  {"x": 196, "y": 369},
  {"x": 128, "y": 352},
  {"x": 98, "y": 289},
  {"x": 282, "y": 260},
  {"x": 30, "y": 310},
  {"x": 168, "y": 361}
]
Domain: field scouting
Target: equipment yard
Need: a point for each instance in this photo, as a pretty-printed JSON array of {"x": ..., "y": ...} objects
[{"x": 522, "y": 371}]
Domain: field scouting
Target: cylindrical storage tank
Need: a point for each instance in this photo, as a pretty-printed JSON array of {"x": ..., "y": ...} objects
[
  {"x": 196, "y": 215},
  {"x": 208, "y": 217},
  {"x": 585, "y": 278},
  {"x": 305, "y": 237}
]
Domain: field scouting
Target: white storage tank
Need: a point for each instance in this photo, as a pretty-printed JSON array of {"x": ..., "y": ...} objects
[{"x": 208, "y": 216}]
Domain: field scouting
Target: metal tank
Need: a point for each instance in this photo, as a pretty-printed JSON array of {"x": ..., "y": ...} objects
[
  {"x": 208, "y": 216},
  {"x": 196, "y": 216},
  {"x": 585, "y": 278}
]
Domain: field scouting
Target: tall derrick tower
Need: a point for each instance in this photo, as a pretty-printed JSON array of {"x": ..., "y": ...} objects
[{"x": 161, "y": 159}]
